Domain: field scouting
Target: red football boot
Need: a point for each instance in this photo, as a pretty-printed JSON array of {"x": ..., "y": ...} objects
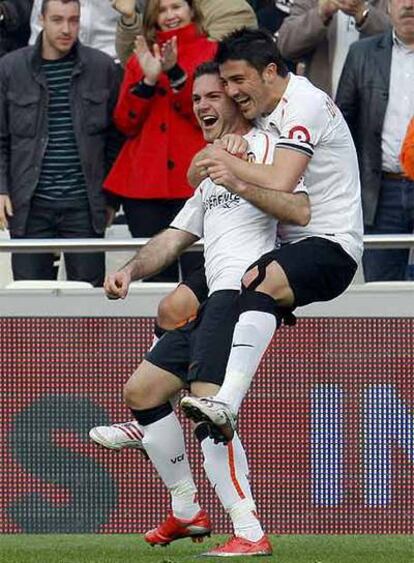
[
  {"x": 239, "y": 546},
  {"x": 174, "y": 529}
]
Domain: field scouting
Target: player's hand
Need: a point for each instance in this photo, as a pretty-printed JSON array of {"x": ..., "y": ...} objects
[
  {"x": 222, "y": 176},
  {"x": 234, "y": 144},
  {"x": 214, "y": 155},
  {"x": 6, "y": 211},
  {"x": 124, "y": 7},
  {"x": 169, "y": 54},
  {"x": 116, "y": 285},
  {"x": 149, "y": 62}
]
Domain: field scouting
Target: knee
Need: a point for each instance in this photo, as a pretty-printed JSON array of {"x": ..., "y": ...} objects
[
  {"x": 135, "y": 395},
  {"x": 271, "y": 280},
  {"x": 166, "y": 314}
]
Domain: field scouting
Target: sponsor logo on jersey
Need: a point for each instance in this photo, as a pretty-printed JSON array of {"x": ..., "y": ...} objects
[{"x": 225, "y": 200}]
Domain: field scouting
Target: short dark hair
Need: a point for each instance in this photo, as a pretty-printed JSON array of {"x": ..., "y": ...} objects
[
  {"x": 209, "y": 67},
  {"x": 46, "y": 2},
  {"x": 255, "y": 46}
]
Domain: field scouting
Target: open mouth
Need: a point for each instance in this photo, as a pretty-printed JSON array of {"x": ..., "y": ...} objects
[{"x": 209, "y": 121}]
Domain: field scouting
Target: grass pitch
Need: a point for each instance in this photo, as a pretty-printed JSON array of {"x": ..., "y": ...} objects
[{"x": 132, "y": 549}]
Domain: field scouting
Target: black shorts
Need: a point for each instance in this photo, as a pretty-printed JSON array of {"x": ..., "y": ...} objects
[
  {"x": 317, "y": 268},
  {"x": 197, "y": 282},
  {"x": 199, "y": 350}
]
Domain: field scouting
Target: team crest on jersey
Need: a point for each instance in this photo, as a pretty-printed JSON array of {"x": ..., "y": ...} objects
[
  {"x": 251, "y": 157},
  {"x": 299, "y": 133},
  {"x": 225, "y": 200}
]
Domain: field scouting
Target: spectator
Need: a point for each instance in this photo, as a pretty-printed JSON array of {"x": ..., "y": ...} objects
[
  {"x": 317, "y": 34},
  {"x": 270, "y": 15},
  {"x": 376, "y": 95},
  {"x": 56, "y": 102},
  {"x": 14, "y": 24},
  {"x": 219, "y": 18},
  {"x": 154, "y": 111},
  {"x": 97, "y": 25}
]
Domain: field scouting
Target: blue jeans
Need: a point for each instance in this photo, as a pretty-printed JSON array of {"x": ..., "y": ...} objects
[
  {"x": 395, "y": 215},
  {"x": 59, "y": 220}
]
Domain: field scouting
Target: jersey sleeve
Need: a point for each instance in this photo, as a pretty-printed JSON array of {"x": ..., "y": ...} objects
[
  {"x": 191, "y": 216},
  {"x": 304, "y": 124}
]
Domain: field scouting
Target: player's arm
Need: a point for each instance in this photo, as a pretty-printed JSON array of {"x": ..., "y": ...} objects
[
  {"x": 156, "y": 255},
  {"x": 282, "y": 175},
  {"x": 286, "y": 207}
]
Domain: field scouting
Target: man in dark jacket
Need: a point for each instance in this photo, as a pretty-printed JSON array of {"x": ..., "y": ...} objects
[
  {"x": 56, "y": 102},
  {"x": 14, "y": 24},
  {"x": 376, "y": 96}
]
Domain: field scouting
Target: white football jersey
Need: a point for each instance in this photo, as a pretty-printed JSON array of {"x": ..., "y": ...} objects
[
  {"x": 308, "y": 121},
  {"x": 235, "y": 232}
]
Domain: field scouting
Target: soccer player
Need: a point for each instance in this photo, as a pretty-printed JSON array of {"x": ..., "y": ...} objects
[
  {"x": 318, "y": 260},
  {"x": 237, "y": 230}
]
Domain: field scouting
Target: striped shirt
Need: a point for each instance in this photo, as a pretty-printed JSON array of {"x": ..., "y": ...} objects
[{"x": 61, "y": 177}]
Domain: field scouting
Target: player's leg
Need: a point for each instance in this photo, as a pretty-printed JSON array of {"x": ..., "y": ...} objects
[
  {"x": 314, "y": 269},
  {"x": 225, "y": 465},
  {"x": 174, "y": 310},
  {"x": 148, "y": 393}
]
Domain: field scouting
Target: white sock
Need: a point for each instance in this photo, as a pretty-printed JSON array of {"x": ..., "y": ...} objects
[
  {"x": 227, "y": 470},
  {"x": 164, "y": 443},
  {"x": 252, "y": 335}
]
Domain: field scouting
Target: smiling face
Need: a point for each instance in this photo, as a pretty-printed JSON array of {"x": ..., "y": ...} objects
[
  {"x": 173, "y": 14},
  {"x": 250, "y": 89},
  {"x": 216, "y": 113},
  {"x": 60, "y": 25}
]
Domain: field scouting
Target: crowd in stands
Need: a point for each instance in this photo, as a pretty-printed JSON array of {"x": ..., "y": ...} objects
[{"x": 96, "y": 112}]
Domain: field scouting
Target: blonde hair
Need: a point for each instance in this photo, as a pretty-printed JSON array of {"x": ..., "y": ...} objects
[{"x": 150, "y": 16}]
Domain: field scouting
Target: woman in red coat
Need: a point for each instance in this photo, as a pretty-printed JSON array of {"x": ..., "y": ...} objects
[{"x": 154, "y": 111}]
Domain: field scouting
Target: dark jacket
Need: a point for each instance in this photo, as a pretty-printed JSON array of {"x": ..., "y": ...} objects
[
  {"x": 24, "y": 125},
  {"x": 15, "y": 27},
  {"x": 363, "y": 97}
]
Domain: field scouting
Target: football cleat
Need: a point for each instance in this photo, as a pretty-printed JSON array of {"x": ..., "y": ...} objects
[
  {"x": 236, "y": 547},
  {"x": 174, "y": 529},
  {"x": 220, "y": 419},
  {"x": 118, "y": 436}
]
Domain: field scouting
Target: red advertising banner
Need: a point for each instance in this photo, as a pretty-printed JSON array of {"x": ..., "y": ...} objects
[{"x": 328, "y": 427}]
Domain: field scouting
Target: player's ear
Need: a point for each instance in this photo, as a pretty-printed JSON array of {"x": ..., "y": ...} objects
[{"x": 269, "y": 73}]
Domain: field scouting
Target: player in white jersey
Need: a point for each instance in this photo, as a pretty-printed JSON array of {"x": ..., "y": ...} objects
[
  {"x": 317, "y": 261},
  {"x": 235, "y": 232}
]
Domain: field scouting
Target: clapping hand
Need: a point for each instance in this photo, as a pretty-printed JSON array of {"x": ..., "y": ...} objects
[
  {"x": 169, "y": 54},
  {"x": 151, "y": 63},
  {"x": 327, "y": 8},
  {"x": 124, "y": 7}
]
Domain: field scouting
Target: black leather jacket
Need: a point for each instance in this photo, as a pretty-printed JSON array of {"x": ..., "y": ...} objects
[
  {"x": 24, "y": 125},
  {"x": 363, "y": 97}
]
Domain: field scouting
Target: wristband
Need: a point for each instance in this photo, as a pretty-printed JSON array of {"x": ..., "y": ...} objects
[{"x": 143, "y": 90}]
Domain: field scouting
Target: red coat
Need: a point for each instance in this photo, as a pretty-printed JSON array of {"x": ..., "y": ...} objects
[{"x": 163, "y": 132}]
